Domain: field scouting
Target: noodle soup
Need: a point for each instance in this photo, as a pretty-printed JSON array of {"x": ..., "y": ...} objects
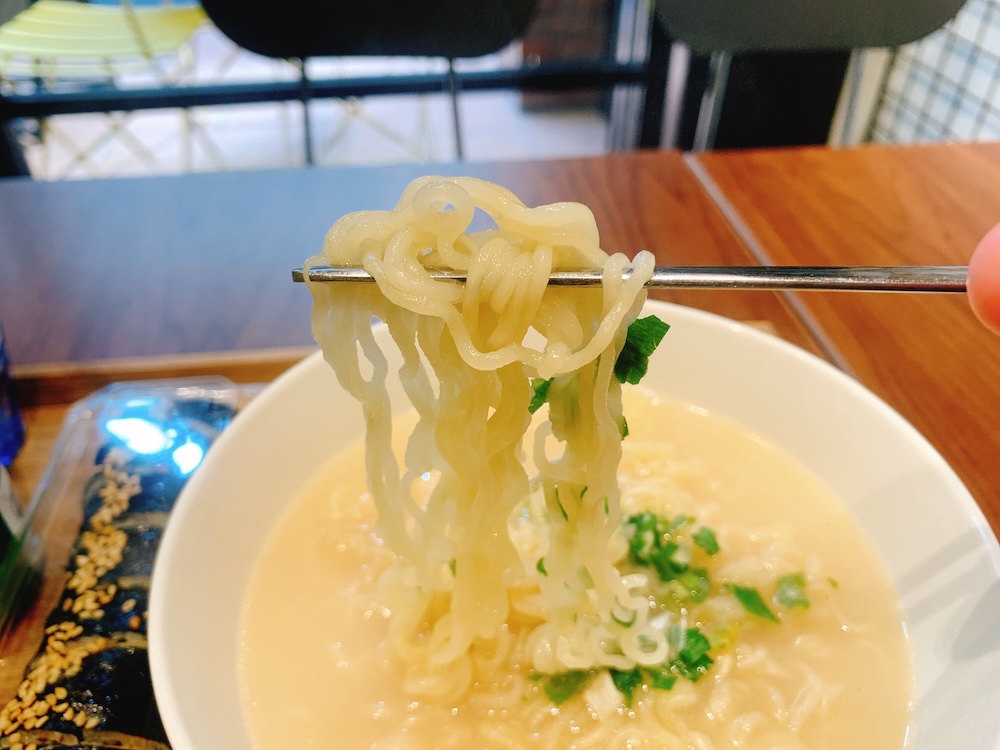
[{"x": 316, "y": 668}]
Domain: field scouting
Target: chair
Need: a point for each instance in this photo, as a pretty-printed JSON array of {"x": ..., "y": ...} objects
[
  {"x": 58, "y": 45},
  {"x": 301, "y": 29},
  {"x": 721, "y": 28}
]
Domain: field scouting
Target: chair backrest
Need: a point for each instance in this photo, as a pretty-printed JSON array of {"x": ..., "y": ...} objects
[
  {"x": 776, "y": 25},
  {"x": 332, "y": 28},
  {"x": 61, "y": 39}
]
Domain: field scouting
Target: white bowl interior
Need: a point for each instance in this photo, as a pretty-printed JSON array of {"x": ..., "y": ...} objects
[{"x": 932, "y": 536}]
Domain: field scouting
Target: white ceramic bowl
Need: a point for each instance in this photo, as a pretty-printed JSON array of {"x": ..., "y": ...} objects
[{"x": 933, "y": 538}]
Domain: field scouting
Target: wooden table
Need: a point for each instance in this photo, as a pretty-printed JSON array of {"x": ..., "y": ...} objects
[{"x": 926, "y": 355}]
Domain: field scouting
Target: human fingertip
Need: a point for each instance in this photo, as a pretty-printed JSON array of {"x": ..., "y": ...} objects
[{"x": 984, "y": 280}]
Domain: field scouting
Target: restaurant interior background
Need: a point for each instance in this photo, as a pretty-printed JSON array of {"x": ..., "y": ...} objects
[{"x": 945, "y": 86}]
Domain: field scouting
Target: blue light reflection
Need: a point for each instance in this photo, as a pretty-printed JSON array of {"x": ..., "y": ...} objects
[
  {"x": 140, "y": 435},
  {"x": 187, "y": 456}
]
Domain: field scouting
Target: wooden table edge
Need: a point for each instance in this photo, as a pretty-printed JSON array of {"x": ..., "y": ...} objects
[{"x": 68, "y": 382}]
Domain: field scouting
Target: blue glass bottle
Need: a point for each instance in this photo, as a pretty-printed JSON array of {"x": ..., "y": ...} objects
[{"x": 11, "y": 425}]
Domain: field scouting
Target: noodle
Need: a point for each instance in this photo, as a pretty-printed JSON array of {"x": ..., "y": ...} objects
[{"x": 457, "y": 564}]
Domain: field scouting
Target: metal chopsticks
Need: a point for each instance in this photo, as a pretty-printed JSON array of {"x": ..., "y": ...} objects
[{"x": 803, "y": 278}]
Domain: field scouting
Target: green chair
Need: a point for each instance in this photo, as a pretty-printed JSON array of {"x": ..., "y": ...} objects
[{"x": 54, "y": 45}]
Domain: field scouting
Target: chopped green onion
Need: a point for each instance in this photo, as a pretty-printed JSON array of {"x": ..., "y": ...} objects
[
  {"x": 625, "y": 623},
  {"x": 693, "y": 660},
  {"x": 705, "y": 538},
  {"x": 834, "y": 583},
  {"x": 695, "y": 583},
  {"x": 562, "y": 510},
  {"x": 662, "y": 679},
  {"x": 555, "y": 496},
  {"x": 563, "y": 686},
  {"x": 663, "y": 559},
  {"x": 627, "y": 682},
  {"x": 753, "y": 603},
  {"x": 540, "y": 393},
  {"x": 644, "y": 533},
  {"x": 540, "y": 566},
  {"x": 641, "y": 340},
  {"x": 452, "y": 565},
  {"x": 792, "y": 591}
]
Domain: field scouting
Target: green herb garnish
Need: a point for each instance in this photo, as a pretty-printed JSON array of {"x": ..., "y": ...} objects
[
  {"x": 705, "y": 538},
  {"x": 650, "y": 543},
  {"x": 663, "y": 559},
  {"x": 693, "y": 660},
  {"x": 563, "y": 686},
  {"x": 643, "y": 336},
  {"x": 562, "y": 510},
  {"x": 540, "y": 393},
  {"x": 540, "y": 566},
  {"x": 752, "y": 602},
  {"x": 627, "y": 682},
  {"x": 661, "y": 678},
  {"x": 644, "y": 532},
  {"x": 452, "y": 565},
  {"x": 695, "y": 583},
  {"x": 791, "y": 591},
  {"x": 622, "y": 621}
]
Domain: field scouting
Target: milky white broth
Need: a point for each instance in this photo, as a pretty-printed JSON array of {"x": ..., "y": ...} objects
[{"x": 316, "y": 671}]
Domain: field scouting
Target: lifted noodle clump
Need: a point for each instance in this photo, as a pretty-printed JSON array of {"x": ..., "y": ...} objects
[{"x": 470, "y": 353}]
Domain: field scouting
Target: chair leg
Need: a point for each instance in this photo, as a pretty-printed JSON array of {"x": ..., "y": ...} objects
[
  {"x": 453, "y": 92},
  {"x": 12, "y": 161},
  {"x": 711, "y": 101},
  {"x": 194, "y": 128},
  {"x": 306, "y": 125},
  {"x": 855, "y": 69}
]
